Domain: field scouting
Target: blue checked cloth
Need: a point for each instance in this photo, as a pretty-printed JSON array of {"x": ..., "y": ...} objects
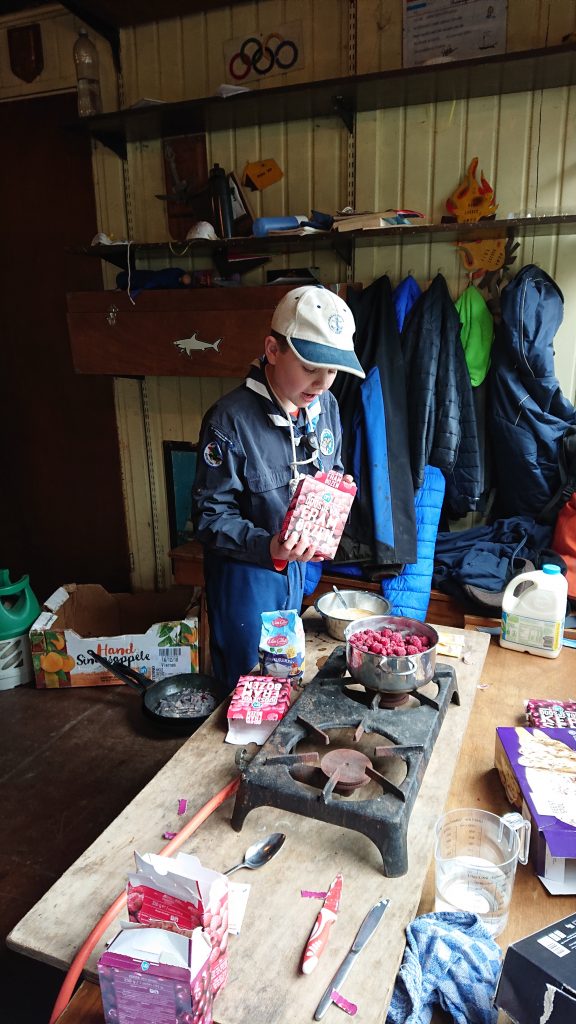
[{"x": 450, "y": 960}]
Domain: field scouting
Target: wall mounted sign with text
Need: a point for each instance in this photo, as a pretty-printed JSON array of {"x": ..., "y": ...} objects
[{"x": 442, "y": 30}]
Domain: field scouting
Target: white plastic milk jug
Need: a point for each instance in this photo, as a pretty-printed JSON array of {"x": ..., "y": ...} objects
[{"x": 533, "y": 610}]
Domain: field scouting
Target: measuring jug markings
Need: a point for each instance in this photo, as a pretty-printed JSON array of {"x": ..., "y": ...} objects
[{"x": 474, "y": 884}]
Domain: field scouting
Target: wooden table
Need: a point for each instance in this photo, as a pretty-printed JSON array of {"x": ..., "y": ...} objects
[{"x": 265, "y": 982}]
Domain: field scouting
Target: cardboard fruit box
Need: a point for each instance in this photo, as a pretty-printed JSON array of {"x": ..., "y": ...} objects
[{"x": 153, "y": 633}]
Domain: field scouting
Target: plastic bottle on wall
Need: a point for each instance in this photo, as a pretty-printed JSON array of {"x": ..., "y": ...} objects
[
  {"x": 87, "y": 74},
  {"x": 533, "y": 612}
]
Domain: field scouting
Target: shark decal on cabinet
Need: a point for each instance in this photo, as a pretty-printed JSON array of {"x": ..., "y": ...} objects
[{"x": 194, "y": 344}]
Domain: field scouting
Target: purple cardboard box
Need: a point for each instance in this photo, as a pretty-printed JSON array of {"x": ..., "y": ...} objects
[{"x": 537, "y": 768}]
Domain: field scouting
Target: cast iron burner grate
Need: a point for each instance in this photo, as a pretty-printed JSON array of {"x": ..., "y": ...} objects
[{"x": 332, "y": 786}]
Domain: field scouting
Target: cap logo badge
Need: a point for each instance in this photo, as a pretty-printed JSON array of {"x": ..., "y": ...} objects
[
  {"x": 327, "y": 442},
  {"x": 336, "y": 323}
]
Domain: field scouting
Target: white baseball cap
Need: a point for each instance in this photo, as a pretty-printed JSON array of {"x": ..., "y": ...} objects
[
  {"x": 319, "y": 328},
  {"x": 201, "y": 229}
]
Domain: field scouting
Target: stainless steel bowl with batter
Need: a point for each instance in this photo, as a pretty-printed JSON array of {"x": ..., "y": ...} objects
[
  {"x": 385, "y": 673},
  {"x": 336, "y": 618}
]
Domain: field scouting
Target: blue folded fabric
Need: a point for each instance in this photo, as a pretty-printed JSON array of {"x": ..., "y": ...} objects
[{"x": 452, "y": 961}]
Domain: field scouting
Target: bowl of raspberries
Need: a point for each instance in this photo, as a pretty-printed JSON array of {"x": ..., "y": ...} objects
[{"x": 391, "y": 653}]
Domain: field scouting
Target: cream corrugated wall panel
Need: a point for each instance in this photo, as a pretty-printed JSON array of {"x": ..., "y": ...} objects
[
  {"x": 175, "y": 406},
  {"x": 534, "y": 23},
  {"x": 135, "y": 483},
  {"x": 531, "y": 24},
  {"x": 59, "y": 31},
  {"x": 182, "y": 57}
]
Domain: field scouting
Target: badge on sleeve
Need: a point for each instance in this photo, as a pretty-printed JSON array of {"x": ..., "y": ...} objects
[
  {"x": 327, "y": 442},
  {"x": 213, "y": 454}
]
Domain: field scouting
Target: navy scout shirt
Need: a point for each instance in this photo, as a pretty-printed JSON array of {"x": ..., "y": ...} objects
[{"x": 242, "y": 488}]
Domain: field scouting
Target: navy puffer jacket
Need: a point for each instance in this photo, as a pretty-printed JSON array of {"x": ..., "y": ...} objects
[
  {"x": 529, "y": 414},
  {"x": 441, "y": 414}
]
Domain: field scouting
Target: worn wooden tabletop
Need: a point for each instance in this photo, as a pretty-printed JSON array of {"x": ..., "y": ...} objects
[{"x": 265, "y": 982}]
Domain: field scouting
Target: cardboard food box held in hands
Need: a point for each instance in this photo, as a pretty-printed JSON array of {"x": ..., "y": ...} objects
[{"x": 319, "y": 508}]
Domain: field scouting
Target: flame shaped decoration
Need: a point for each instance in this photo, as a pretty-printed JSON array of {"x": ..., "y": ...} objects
[{"x": 472, "y": 201}]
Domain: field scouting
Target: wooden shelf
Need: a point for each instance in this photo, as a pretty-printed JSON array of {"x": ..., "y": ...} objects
[
  {"x": 501, "y": 73},
  {"x": 340, "y": 242}
]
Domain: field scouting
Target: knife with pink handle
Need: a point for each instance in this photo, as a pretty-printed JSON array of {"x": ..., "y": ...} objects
[{"x": 319, "y": 935}]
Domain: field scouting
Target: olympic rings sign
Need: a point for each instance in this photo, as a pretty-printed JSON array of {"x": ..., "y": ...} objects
[{"x": 258, "y": 57}]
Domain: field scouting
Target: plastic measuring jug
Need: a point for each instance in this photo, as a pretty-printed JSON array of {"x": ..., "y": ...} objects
[{"x": 475, "y": 856}]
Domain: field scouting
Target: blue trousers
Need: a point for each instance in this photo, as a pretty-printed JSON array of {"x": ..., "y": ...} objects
[{"x": 236, "y": 595}]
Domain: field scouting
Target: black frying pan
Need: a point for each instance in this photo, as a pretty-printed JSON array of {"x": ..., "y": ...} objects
[{"x": 171, "y": 687}]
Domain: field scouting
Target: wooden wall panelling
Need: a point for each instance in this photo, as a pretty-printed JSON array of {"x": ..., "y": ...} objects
[
  {"x": 534, "y": 23},
  {"x": 175, "y": 408},
  {"x": 59, "y": 31},
  {"x": 531, "y": 24},
  {"x": 135, "y": 483}
]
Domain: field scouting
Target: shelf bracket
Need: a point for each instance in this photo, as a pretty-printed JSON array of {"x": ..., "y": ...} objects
[
  {"x": 115, "y": 141},
  {"x": 343, "y": 248},
  {"x": 346, "y": 110}
]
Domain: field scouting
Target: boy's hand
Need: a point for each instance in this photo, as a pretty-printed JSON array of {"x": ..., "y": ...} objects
[{"x": 293, "y": 548}]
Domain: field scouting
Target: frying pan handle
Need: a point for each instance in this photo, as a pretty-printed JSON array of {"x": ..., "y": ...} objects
[{"x": 123, "y": 672}]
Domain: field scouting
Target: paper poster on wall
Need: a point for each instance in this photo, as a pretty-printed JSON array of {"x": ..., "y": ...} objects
[
  {"x": 442, "y": 30},
  {"x": 257, "y": 56}
]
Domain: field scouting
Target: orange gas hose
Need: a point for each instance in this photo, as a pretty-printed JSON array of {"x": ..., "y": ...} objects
[{"x": 77, "y": 965}]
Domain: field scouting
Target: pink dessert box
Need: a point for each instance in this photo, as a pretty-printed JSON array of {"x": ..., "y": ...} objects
[
  {"x": 319, "y": 508},
  {"x": 179, "y": 894},
  {"x": 257, "y": 705},
  {"x": 148, "y": 975}
]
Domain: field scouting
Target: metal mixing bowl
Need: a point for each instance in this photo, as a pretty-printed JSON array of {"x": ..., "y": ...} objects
[
  {"x": 334, "y": 615},
  {"x": 388, "y": 674}
]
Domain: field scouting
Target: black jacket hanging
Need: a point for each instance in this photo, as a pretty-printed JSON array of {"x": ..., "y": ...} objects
[
  {"x": 441, "y": 414},
  {"x": 381, "y": 531}
]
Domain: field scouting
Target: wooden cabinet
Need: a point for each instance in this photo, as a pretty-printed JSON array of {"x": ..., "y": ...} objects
[{"x": 212, "y": 332}]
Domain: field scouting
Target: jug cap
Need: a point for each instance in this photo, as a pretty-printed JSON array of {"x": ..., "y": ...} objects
[
  {"x": 18, "y": 606},
  {"x": 551, "y": 570}
]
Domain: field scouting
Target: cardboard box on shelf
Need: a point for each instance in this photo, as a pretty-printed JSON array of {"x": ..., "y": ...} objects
[
  {"x": 538, "y": 978},
  {"x": 154, "y": 633},
  {"x": 537, "y": 769}
]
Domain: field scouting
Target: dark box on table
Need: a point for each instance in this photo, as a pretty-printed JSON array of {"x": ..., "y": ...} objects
[{"x": 538, "y": 978}]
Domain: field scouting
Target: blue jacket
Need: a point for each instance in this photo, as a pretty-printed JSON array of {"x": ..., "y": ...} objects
[
  {"x": 409, "y": 592},
  {"x": 529, "y": 413},
  {"x": 242, "y": 487}
]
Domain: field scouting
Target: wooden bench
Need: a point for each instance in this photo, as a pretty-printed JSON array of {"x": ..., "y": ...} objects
[{"x": 187, "y": 561}]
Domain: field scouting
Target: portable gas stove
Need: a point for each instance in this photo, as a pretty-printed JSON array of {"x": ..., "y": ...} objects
[{"x": 354, "y": 783}]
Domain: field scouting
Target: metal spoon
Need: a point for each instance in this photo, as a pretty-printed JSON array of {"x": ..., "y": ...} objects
[
  {"x": 260, "y": 853},
  {"x": 339, "y": 596}
]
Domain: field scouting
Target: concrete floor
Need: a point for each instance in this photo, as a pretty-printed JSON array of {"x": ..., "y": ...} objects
[{"x": 70, "y": 761}]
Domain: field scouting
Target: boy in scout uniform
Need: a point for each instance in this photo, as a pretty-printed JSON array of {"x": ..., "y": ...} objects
[{"x": 255, "y": 443}]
